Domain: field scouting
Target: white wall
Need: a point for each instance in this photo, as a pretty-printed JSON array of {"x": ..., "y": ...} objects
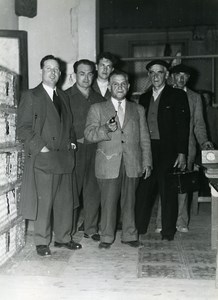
[
  {"x": 8, "y": 19},
  {"x": 66, "y": 29}
]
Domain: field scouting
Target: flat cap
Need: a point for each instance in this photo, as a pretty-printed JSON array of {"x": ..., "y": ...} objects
[
  {"x": 181, "y": 69},
  {"x": 157, "y": 62}
]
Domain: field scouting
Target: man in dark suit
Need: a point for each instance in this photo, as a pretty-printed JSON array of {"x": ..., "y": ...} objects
[
  {"x": 105, "y": 65},
  {"x": 123, "y": 154},
  {"x": 197, "y": 135},
  {"x": 81, "y": 97},
  {"x": 167, "y": 114},
  {"x": 45, "y": 126}
]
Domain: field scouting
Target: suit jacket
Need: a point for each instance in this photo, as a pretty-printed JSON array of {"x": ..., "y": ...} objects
[
  {"x": 97, "y": 90},
  {"x": 130, "y": 143},
  {"x": 197, "y": 131},
  {"x": 173, "y": 122},
  {"x": 35, "y": 107}
]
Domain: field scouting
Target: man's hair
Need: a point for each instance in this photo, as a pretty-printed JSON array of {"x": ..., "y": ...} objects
[
  {"x": 107, "y": 55},
  {"x": 119, "y": 72},
  {"x": 47, "y": 57},
  {"x": 84, "y": 62}
]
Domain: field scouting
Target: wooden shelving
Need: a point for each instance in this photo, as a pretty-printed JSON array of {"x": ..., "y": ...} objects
[{"x": 12, "y": 225}]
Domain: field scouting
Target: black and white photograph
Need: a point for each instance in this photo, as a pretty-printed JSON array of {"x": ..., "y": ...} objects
[{"x": 108, "y": 149}]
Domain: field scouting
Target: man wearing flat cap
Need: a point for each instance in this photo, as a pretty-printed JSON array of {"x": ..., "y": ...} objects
[
  {"x": 168, "y": 118},
  {"x": 197, "y": 134}
]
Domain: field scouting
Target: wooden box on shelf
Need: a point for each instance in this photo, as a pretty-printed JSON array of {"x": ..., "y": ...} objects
[{"x": 12, "y": 226}]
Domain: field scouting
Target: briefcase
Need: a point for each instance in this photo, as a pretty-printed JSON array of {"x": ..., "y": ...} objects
[{"x": 183, "y": 181}]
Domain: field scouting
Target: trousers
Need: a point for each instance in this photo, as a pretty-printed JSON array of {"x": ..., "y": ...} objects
[{"x": 147, "y": 191}]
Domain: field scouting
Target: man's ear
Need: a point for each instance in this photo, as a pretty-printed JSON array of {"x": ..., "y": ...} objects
[{"x": 167, "y": 74}]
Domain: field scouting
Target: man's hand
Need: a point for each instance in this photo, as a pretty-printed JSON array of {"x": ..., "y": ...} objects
[
  {"x": 111, "y": 126},
  {"x": 147, "y": 172},
  {"x": 180, "y": 162},
  {"x": 44, "y": 149},
  {"x": 207, "y": 146}
]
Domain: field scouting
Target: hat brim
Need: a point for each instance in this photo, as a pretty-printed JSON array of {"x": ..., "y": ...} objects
[{"x": 157, "y": 62}]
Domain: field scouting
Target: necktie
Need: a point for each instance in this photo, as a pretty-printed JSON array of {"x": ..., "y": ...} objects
[
  {"x": 57, "y": 103},
  {"x": 120, "y": 113}
]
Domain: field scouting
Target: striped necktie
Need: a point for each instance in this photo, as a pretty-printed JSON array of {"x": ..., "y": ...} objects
[{"x": 120, "y": 113}]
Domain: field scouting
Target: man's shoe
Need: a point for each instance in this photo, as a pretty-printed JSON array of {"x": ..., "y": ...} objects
[
  {"x": 168, "y": 237},
  {"x": 182, "y": 229},
  {"x": 70, "y": 245},
  {"x": 104, "y": 245},
  {"x": 95, "y": 236},
  {"x": 43, "y": 250},
  {"x": 158, "y": 230},
  {"x": 134, "y": 244}
]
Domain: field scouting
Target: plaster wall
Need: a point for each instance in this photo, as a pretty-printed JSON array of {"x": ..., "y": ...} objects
[
  {"x": 8, "y": 18},
  {"x": 66, "y": 29}
]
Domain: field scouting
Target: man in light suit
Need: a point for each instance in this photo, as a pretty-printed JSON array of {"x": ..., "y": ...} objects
[
  {"x": 123, "y": 154},
  {"x": 197, "y": 134},
  {"x": 45, "y": 125},
  {"x": 167, "y": 114}
]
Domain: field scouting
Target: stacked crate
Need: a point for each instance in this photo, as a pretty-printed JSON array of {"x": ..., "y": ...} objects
[{"x": 12, "y": 226}]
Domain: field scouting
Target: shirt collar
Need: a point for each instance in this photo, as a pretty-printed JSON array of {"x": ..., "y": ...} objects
[
  {"x": 49, "y": 90},
  {"x": 103, "y": 84},
  {"x": 116, "y": 103},
  {"x": 103, "y": 87},
  {"x": 155, "y": 94}
]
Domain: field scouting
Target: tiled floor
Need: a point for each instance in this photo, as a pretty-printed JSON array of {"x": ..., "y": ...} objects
[
  {"x": 189, "y": 256},
  {"x": 93, "y": 274}
]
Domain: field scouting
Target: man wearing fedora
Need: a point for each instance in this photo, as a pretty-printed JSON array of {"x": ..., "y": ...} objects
[{"x": 168, "y": 118}]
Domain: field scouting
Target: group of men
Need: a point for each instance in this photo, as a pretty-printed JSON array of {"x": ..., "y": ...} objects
[{"x": 91, "y": 142}]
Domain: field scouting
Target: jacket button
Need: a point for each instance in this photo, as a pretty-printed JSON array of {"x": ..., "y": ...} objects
[{"x": 122, "y": 142}]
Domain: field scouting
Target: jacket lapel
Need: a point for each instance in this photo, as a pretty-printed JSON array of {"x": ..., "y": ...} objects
[
  {"x": 109, "y": 111},
  {"x": 42, "y": 94},
  {"x": 128, "y": 113}
]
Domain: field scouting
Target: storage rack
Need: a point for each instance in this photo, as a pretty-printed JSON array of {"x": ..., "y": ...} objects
[{"x": 12, "y": 225}]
